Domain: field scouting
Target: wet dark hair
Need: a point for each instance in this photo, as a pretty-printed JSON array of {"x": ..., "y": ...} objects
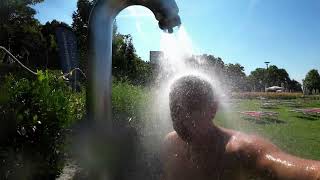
[{"x": 190, "y": 93}]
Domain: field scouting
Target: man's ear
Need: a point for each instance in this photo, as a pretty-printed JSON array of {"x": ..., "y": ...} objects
[{"x": 214, "y": 108}]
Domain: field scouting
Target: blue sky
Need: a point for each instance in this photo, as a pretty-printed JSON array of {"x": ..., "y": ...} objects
[{"x": 249, "y": 32}]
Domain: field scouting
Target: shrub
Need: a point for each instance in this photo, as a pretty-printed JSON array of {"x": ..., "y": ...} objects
[
  {"x": 35, "y": 116},
  {"x": 268, "y": 95},
  {"x": 126, "y": 100}
]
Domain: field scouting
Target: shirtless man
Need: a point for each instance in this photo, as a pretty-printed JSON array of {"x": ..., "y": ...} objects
[{"x": 200, "y": 150}]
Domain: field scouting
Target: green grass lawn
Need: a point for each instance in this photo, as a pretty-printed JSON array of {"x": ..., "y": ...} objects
[{"x": 296, "y": 134}]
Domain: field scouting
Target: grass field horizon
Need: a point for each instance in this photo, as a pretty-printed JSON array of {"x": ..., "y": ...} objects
[{"x": 293, "y": 132}]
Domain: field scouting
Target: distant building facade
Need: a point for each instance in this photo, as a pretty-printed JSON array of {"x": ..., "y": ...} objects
[{"x": 156, "y": 56}]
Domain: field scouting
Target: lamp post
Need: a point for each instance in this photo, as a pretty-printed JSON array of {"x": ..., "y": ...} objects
[
  {"x": 267, "y": 64},
  {"x": 266, "y": 85}
]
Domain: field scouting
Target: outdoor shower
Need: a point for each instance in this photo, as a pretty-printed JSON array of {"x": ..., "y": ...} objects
[
  {"x": 100, "y": 60},
  {"x": 101, "y": 135}
]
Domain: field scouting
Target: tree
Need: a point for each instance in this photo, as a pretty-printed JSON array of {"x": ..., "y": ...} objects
[
  {"x": 125, "y": 62},
  {"x": 312, "y": 81},
  {"x": 294, "y": 86},
  {"x": 19, "y": 12},
  {"x": 257, "y": 79},
  {"x": 233, "y": 75},
  {"x": 273, "y": 76},
  {"x": 80, "y": 26},
  {"x": 207, "y": 62},
  {"x": 19, "y": 30},
  {"x": 236, "y": 77},
  {"x": 277, "y": 77}
]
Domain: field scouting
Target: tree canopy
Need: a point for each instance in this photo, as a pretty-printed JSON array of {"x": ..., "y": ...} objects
[
  {"x": 19, "y": 30},
  {"x": 126, "y": 64},
  {"x": 312, "y": 81},
  {"x": 262, "y": 78}
]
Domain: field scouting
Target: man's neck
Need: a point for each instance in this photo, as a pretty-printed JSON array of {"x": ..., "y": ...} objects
[{"x": 209, "y": 135}]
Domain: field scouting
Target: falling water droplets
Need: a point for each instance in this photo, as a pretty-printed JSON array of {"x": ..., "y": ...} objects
[{"x": 178, "y": 50}]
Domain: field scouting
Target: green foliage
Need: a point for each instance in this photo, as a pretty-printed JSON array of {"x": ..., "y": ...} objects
[
  {"x": 126, "y": 100},
  {"x": 261, "y": 78},
  {"x": 80, "y": 26},
  {"x": 233, "y": 75},
  {"x": 277, "y": 77},
  {"x": 312, "y": 80},
  {"x": 294, "y": 86},
  {"x": 236, "y": 77},
  {"x": 257, "y": 79},
  {"x": 17, "y": 11},
  {"x": 35, "y": 116},
  {"x": 267, "y": 95},
  {"x": 125, "y": 61},
  {"x": 25, "y": 37},
  {"x": 19, "y": 30}
]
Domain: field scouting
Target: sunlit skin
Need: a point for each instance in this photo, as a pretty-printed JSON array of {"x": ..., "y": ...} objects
[{"x": 200, "y": 150}]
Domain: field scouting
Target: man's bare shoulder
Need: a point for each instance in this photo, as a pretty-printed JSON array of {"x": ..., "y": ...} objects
[
  {"x": 172, "y": 138},
  {"x": 243, "y": 142},
  {"x": 172, "y": 142}
]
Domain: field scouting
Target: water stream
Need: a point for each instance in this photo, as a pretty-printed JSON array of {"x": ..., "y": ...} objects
[{"x": 178, "y": 51}]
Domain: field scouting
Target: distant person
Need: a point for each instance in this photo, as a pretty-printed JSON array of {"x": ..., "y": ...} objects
[{"x": 200, "y": 150}]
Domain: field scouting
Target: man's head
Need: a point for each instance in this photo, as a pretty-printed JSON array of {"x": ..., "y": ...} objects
[{"x": 192, "y": 105}]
